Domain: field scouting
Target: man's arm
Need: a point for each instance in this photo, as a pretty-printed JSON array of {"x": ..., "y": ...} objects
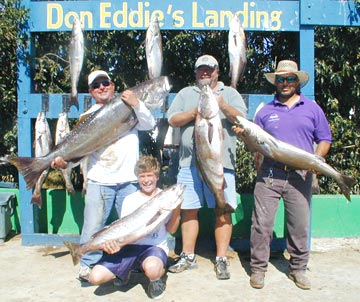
[{"x": 182, "y": 118}]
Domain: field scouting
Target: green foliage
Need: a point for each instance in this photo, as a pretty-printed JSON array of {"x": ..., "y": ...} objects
[
  {"x": 337, "y": 90},
  {"x": 13, "y": 42}
]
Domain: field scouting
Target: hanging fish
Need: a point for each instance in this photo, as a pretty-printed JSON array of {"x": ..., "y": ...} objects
[
  {"x": 153, "y": 49},
  {"x": 42, "y": 144},
  {"x": 237, "y": 51},
  {"x": 76, "y": 52}
]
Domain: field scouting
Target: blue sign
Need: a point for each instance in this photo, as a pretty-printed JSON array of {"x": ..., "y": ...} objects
[
  {"x": 330, "y": 12},
  {"x": 175, "y": 15}
]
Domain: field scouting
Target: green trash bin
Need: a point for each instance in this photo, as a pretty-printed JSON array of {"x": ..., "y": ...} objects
[{"x": 6, "y": 210}]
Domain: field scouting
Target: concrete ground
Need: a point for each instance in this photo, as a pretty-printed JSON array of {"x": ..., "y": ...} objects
[{"x": 40, "y": 273}]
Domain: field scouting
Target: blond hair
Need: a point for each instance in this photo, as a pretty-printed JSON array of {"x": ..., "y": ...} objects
[{"x": 147, "y": 163}]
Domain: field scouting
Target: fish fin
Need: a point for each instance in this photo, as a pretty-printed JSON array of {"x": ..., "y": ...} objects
[
  {"x": 73, "y": 249},
  {"x": 226, "y": 209},
  {"x": 82, "y": 119},
  {"x": 70, "y": 189},
  {"x": 315, "y": 188},
  {"x": 29, "y": 167},
  {"x": 36, "y": 199},
  {"x": 224, "y": 184},
  {"x": 210, "y": 132},
  {"x": 74, "y": 101},
  {"x": 345, "y": 185}
]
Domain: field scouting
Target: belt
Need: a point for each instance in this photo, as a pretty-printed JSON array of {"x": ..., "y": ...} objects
[{"x": 284, "y": 167}]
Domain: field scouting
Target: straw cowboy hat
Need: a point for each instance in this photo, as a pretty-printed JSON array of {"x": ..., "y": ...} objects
[{"x": 288, "y": 66}]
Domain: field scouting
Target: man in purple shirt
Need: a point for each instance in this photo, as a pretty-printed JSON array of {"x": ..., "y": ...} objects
[{"x": 292, "y": 118}]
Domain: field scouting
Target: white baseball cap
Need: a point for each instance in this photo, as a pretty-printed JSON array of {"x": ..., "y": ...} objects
[
  {"x": 207, "y": 61},
  {"x": 97, "y": 74}
]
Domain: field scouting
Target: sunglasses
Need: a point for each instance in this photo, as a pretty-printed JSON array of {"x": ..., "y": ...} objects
[
  {"x": 289, "y": 79},
  {"x": 96, "y": 85}
]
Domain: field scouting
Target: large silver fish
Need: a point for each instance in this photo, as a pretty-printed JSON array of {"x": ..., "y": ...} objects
[
  {"x": 98, "y": 130},
  {"x": 134, "y": 226},
  {"x": 259, "y": 140},
  {"x": 43, "y": 144},
  {"x": 153, "y": 49},
  {"x": 208, "y": 135},
  {"x": 237, "y": 51},
  {"x": 62, "y": 130},
  {"x": 76, "y": 56}
]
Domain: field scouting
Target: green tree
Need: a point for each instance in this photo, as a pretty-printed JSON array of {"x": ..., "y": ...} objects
[
  {"x": 337, "y": 89},
  {"x": 13, "y": 18}
]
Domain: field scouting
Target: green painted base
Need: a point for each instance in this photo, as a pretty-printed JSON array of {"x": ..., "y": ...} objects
[{"x": 332, "y": 216}]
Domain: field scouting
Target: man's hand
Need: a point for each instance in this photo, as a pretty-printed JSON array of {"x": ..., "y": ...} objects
[
  {"x": 129, "y": 97},
  {"x": 59, "y": 162},
  {"x": 111, "y": 247},
  {"x": 238, "y": 131}
]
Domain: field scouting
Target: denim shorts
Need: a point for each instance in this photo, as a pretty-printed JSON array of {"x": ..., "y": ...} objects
[
  {"x": 197, "y": 192},
  {"x": 131, "y": 257}
]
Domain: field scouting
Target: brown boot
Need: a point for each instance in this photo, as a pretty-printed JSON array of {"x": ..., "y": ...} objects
[
  {"x": 257, "y": 279},
  {"x": 300, "y": 279}
]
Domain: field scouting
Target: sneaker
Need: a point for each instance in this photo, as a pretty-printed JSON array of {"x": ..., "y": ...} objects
[
  {"x": 156, "y": 289},
  {"x": 119, "y": 282},
  {"x": 221, "y": 270},
  {"x": 84, "y": 272},
  {"x": 183, "y": 263},
  {"x": 300, "y": 279},
  {"x": 257, "y": 279}
]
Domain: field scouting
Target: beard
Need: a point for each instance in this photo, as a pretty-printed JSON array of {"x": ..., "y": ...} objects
[{"x": 204, "y": 82}]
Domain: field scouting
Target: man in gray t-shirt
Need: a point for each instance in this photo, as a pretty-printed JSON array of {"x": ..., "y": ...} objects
[{"x": 182, "y": 114}]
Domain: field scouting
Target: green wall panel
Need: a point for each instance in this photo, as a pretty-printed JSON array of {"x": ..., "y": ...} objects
[{"x": 332, "y": 216}]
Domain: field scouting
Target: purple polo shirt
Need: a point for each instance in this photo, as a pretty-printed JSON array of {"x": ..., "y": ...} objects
[{"x": 301, "y": 125}]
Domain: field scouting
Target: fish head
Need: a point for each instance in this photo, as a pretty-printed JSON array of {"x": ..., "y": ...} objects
[
  {"x": 76, "y": 27},
  {"x": 234, "y": 24},
  {"x": 156, "y": 90},
  {"x": 172, "y": 197},
  {"x": 208, "y": 105},
  {"x": 154, "y": 28},
  {"x": 41, "y": 116}
]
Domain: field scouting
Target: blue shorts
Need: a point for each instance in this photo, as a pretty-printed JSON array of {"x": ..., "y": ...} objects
[
  {"x": 131, "y": 257},
  {"x": 197, "y": 192}
]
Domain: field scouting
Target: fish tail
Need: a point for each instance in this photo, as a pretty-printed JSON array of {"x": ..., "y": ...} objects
[
  {"x": 345, "y": 184},
  {"x": 226, "y": 209},
  {"x": 74, "y": 101},
  {"x": 71, "y": 190},
  {"x": 74, "y": 251},
  {"x": 37, "y": 200},
  {"x": 30, "y": 167}
]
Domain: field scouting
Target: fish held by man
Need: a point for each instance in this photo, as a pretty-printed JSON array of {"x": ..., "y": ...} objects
[
  {"x": 76, "y": 56},
  {"x": 208, "y": 135},
  {"x": 43, "y": 144},
  {"x": 259, "y": 140},
  {"x": 237, "y": 51},
  {"x": 153, "y": 49},
  {"x": 100, "y": 129},
  {"x": 134, "y": 226}
]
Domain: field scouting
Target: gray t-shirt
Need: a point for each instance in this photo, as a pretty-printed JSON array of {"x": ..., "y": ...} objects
[{"x": 187, "y": 99}]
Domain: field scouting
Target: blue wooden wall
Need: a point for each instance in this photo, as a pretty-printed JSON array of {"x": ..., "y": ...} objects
[{"x": 266, "y": 15}]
